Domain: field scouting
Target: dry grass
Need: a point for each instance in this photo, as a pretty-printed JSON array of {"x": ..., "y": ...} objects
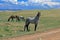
[{"x": 49, "y": 19}]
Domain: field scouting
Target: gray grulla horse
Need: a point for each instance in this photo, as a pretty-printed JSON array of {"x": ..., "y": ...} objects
[{"x": 33, "y": 20}]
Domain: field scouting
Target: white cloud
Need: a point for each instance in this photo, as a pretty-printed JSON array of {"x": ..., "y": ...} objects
[
  {"x": 23, "y": 3},
  {"x": 5, "y": 0},
  {"x": 43, "y": 2},
  {"x": 51, "y": 3},
  {"x": 12, "y": 1},
  {"x": 38, "y": 1},
  {"x": 34, "y": 2}
]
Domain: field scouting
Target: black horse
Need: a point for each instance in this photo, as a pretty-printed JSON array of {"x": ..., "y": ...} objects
[
  {"x": 13, "y": 17},
  {"x": 33, "y": 20}
]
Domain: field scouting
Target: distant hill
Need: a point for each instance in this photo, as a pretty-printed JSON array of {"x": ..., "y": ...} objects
[{"x": 10, "y": 9}]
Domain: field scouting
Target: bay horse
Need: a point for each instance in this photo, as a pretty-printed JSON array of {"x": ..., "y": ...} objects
[
  {"x": 33, "y": 20},
  {"x": 13, "y": 17}
]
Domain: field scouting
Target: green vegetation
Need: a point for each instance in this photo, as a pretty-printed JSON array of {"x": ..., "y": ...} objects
[{"x": 49, "y": 19}]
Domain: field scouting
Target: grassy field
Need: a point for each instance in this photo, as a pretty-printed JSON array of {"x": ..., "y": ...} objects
[{"x": 49, "y": 19}]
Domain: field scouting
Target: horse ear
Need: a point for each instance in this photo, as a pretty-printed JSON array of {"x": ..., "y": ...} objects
[{"x": 39, "y": 13}]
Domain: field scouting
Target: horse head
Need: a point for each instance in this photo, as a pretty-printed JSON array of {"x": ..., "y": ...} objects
[{"x": 38, "y": 14}]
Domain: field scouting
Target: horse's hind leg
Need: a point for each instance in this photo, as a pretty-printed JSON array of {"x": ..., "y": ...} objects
[
  {"x": 35, "y": 27},
  {"x": 26, "y": 27}
]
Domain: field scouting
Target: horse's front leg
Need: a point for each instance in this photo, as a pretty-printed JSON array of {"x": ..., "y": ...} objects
[
  {"x": 17, "y": 19},
  {"x": 11, "y": 19},
  {"x": 35, "y": 27},
  {"x": 24, "y": 27}
]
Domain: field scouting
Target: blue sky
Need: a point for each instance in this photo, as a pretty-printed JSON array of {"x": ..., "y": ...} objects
[{"x": 29, "y": 4}]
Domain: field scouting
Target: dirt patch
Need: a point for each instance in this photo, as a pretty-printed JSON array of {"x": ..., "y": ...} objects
[{"x": 50, "y": 35}]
